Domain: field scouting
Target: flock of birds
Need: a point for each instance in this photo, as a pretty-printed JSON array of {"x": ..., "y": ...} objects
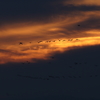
[
  {"x": 55, "y": 77},
  {"x": 60, "y": 77},
  {"x": 49, "y": 41},
  {"x": 21, "y": 43}
]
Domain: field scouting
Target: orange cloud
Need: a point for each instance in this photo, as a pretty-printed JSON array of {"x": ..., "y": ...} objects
[
  {"x": 82, "y": 2},
  {"x": 61, "y": 34}
]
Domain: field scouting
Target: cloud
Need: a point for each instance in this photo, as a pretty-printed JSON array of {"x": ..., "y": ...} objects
[
  {"x": 37, "y": 11},
  {"x": 35, "y": 21},
  {"x": 82, "y": 2}
]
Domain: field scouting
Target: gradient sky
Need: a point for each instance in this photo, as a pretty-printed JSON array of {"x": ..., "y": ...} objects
[{"x": 34, "y": 31}]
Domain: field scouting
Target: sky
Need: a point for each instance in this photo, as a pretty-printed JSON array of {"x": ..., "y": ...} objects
[{"x": 49, "y": 49}]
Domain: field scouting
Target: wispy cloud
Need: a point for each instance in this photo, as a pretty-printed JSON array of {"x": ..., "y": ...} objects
[{"x": 48, "y": 22}]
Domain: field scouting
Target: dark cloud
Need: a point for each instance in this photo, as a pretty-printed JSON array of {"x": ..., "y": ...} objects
[
  {"x": 93, "y": 22},
  {"x": 37, "y": 10}
]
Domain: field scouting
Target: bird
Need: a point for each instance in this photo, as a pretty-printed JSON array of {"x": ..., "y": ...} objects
[
  {"x": 19, "y": 75},
  {"x": 7, "y": 94},
  {"x": 51, "y": 76},
  {"x": 49, "y": 62},
  {"x": 90, "y": 75},
  {"x": 52, "y": 57},
  {"x": 96, "y": 65},
  {"x": 63, "y": 76},
  {"x": 78, "y": 25},
  {"x": 28, "y": 76},
  {"x": 20, "y": 43},
  {"x": 57, "y": 77},
  {"x": 44, "y": 79},
  {"x": 40, "y": 78},
  {"x": 75, "y": 63},
  {"x": 70, "y": 66},
  {"x": 96, "y": 75},
  {"x": 28, "y": 62},
  {"x": 69, "y": 76},
  {"x": 74, "y": 76},
  {"x": 47, "y": 78}
]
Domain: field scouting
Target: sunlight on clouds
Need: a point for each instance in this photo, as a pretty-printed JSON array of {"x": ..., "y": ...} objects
[
  {"x": 46, "y": 38},
  {"x": 82, "y": 2}
]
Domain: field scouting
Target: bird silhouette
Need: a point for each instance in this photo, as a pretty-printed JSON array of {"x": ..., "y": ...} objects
[
  {"x": 7, "y": 94},
  {"x": 90, "y": 75},
  {"x": 52, "y": 57},
  {"x": 74, "y": 76},
  {"x": 70, "y": 66},
  {"x": 78, "y": 25},
  {"x": 57, "y": 77},
  {"x": 47, "y": 78},
  {"x": 63, "y": 76},
  {"x": 75, "y": 63},
  {"x": 19, "y": 75},
  {"x": 96, "y": 65},
  {"x": 51, "y": 76},
  {"x": 40, "y": 78},
  {"x": 20, "y": 43},
  {"x": 96, "y": 75},
  {"x": 70, "y": 76},
  {"x": 28, "y": 62}
]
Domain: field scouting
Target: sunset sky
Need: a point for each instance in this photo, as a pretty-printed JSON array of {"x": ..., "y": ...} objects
[{"x": 34, "y": 31}]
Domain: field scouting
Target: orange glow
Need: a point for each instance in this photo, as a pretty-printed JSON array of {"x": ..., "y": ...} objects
[
  {"x": 54, "y": 37},
  {"x": 82, "y": 2}
]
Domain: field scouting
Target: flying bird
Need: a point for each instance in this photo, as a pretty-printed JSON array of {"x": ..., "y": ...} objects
[
  {"x": 20, "y": 43},
  {"x": 96, "y": 75},
  {"x": 51, "y": 76},
  {"x": 70, "y": 66},
  {"x": 63, "y": 76},
  {"x": 75, "y": 63},
  {"x": 57, "y": 77},
  {"x": 28, "y": 62},
  {"x": 90, "y": 75},
  {"x": 7, "y": 94},
  {"x": 74, "y": 76},
  {"x": 69, "y": 76},
  {"x": 52, "y": 57}
]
